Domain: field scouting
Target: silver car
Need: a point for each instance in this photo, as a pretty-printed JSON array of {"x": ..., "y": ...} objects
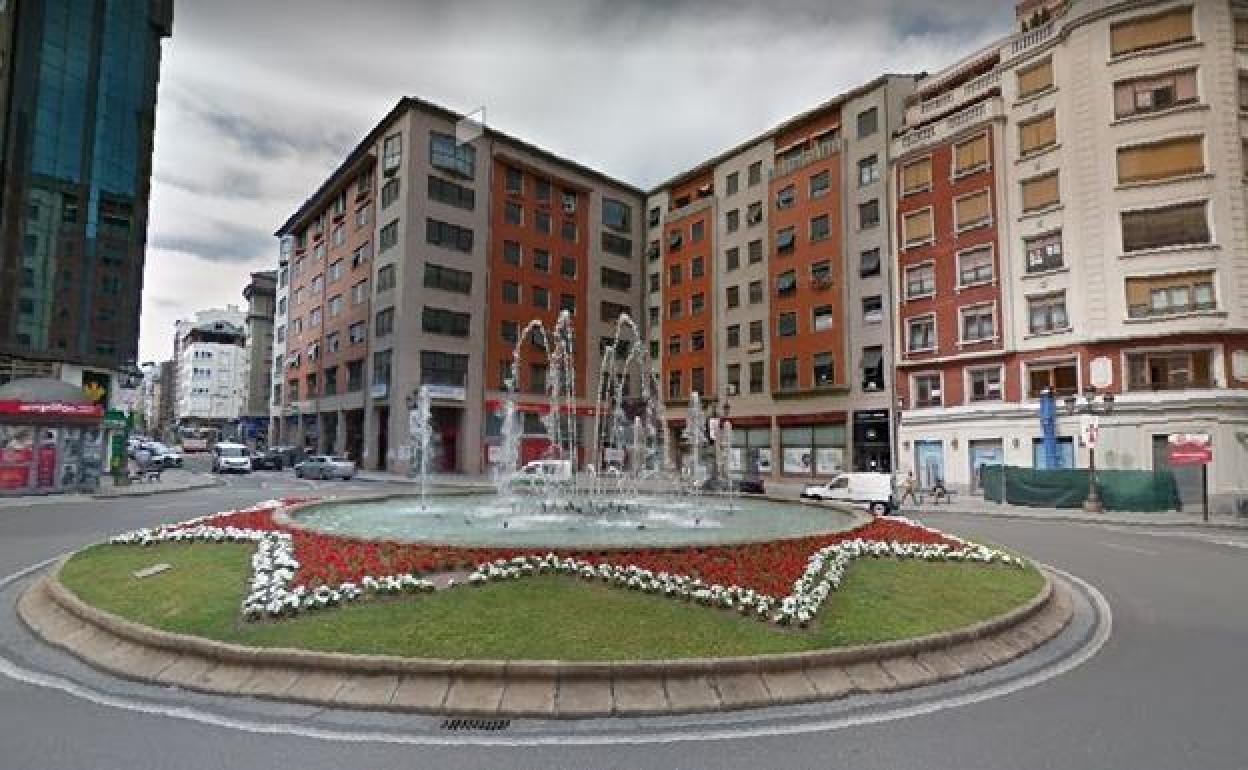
[{"x": 325, "y": 467}]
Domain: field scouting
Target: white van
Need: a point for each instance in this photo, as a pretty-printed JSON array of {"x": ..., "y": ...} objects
[
  {"x": 228, "y": 457},
  {"x": 874, "y": 491},
  {"x": 544, "y": 472}
]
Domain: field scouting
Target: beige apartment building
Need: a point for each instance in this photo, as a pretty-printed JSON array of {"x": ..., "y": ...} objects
[{"x": 1070, "y": 216}]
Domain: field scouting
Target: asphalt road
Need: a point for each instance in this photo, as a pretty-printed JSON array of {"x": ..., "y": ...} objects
[{"x": 1167, "y": 691}]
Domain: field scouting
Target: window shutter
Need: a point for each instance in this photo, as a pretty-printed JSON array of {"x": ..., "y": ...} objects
[
  {"x": 973, "y": 209},
  {"x": 1040, "y": 192},
  {"x": 917, "y": 175},
  {"x": 918, "y": 226},
  {"x": 1036, "y": 78},
  {"x": 1038, "y": 133},
  {"x": 1176, "y": 157},
  {"x": 971, "y": 154},
  {"x": 1151, "y": 32}
]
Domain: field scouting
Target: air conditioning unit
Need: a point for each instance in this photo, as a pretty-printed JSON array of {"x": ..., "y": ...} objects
[{"x": 730, "y": 389}]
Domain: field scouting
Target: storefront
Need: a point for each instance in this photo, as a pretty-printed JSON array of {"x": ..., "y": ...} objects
[
  {"x": 535, "y": 443},
  {"x": 750, "y": 454},
  {"x": 51, "y": 438},
  {"x": 871, "y": 441},
  {"x": 812, "y": 445}
]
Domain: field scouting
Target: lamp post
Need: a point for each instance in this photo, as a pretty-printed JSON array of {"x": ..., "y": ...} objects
[{"x": 1092, "y": 406}]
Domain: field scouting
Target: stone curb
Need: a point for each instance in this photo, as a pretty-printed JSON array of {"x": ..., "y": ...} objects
[
  {"x": 1232, "y": 526},
  {"x": 539, "y": 689},
  {"x": 209, "y": 484}
]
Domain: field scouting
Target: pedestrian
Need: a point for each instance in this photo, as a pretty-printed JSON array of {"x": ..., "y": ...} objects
[
  {"x": 939, "y": 493},
  {"x": 143, "y": 458},
  {"x": 909, "y": 489}
]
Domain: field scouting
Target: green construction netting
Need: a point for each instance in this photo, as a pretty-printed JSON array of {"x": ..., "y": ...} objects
[{"x": 1147, "y": 491}]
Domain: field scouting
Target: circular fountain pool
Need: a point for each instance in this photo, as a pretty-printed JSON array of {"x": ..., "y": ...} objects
[{"x": 646, "y": 520}]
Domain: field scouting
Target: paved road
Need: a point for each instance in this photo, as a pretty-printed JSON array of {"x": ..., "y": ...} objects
[{"x": 1166, "y": 692}]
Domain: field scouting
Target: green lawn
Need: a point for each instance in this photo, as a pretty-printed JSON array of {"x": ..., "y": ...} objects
[{"x": 545, "y": 617}]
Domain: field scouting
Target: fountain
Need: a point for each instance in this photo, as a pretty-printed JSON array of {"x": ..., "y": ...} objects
[
  {"x": 626, "y": 493},
  {"x": 421, "y": 436}
]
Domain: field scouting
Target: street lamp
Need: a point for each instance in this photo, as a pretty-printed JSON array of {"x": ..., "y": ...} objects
[{"x": 1092, "y": 407}]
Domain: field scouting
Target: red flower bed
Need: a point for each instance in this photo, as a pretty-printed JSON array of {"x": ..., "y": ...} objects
[{"x": 767, "y": 567}]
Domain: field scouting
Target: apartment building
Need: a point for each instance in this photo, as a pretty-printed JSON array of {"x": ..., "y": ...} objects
[
  {"x": 418, "y": 263},
  {"x": 212, "y": 369},
  {"x": 766, "y": 292},
  {"x": 1069, "y": 213},
  {"x": 261, "y": 296}
]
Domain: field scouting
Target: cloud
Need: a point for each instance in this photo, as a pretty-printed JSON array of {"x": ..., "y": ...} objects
[{"x": 258, "y": 104}]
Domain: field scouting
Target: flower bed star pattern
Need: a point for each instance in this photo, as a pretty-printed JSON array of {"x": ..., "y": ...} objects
[{"x": 782, "y": 581}]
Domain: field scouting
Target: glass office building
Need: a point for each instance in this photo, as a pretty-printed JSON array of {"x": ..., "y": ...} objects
[{"x": 78, "y": 88}]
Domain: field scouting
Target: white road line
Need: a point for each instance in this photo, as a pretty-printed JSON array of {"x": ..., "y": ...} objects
[
  {"x": 1130, "y": 548},
  {"x": 49, "y": 681}
]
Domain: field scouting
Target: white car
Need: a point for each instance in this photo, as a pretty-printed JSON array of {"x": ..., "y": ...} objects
[
  {"x": 231, "y": 458},
  {"x": 873, "y": 491},
  {"x": 164, "y": 455},
  {"x": 540, "y": 472},
  {"x": 325, "y": 467}
]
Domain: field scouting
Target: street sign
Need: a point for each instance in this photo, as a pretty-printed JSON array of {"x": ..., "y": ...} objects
[
  {"x": 1189, "y": 449},
  {"x": 1089, "y": 429}
]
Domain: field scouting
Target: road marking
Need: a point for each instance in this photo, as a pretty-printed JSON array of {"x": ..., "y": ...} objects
[
  {"x": 1130, "y": 548},
  {"x": 53, "y": 682}
]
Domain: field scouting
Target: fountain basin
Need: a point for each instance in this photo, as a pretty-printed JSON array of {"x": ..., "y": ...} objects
[{"x": 644, "y": 520}]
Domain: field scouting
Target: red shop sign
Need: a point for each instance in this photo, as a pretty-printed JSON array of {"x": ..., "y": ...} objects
[
  {"x": 51, "y": 408},
  {"x": 1189, "y": 449}
]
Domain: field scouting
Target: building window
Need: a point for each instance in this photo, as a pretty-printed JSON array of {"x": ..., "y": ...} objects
[
  {"x": 383, "y": 325},
  {"x": 1040, "y": 193},
  {"x": 673, "y": 385},
  {"x": 542, "y": 189},
  {"x": 733, "y": 379},
  {"x": 754, "y": 213},
  {"x": 786, "y": 325},
  {"x": 335, "y": 306},
  {"x": 786, "y": 196},
  {"x": 673, "y": 345},
  {"x": 868, "y": 122},
  {"x": 696, "y": 303},
  {"x": 756, "y": 332},
  {"x": 511, "y": 293},
  {"x": 756, "y": 292},
  {"x": 755, "y": 252},
  {"x": 540, "y": 297},
  {"x": 653, "y": 314},
  {"x": 786, "y": 283},
  {"x": 674, "y": 275},
  {"x": 732, "y": 259},
  {"x": 868, "y": 170},
  {"x": 314, "y": 317},
  {"x": 697, "y": 268},
  {"x": 1163, "y": 295},
  {"x": 974, "y": 210},
  {"x": 920, "y": 281},
  {"x": 335, "y": 272},
  {"x": 510, "y": 331},
  {"x": 697, "y": 232},
  {"x": 787, "y": 374},
  {"x": 436, "y": 320},
  {"x": 674, "y": 309},
  {"x": 1035, "y": 78},
  {"x": 873, "y": 368},
  {"x": 1036, "y": 135},
  {"x": 567, "y": 231},
  {"x": 389, "y": 235},
  {"x": 616, "y": 279},
  {"x": 732, "y": 336},
  {"x": 732, "y": 296},
  {"x": 568, "y": 302},
  {"x": 732, "y": 220},
  {"x": 445, "y": 191},
  {"x": 392, "y": 152},
  {"x": 357, "y": 332},
  {"x": 541, "y": 221},
  {"x": 1149, "y": 32},
  {"x": 916, "y": 228},
  {"x": 514, "y": 181},
  {"x": 359, "y": 292},
  {"x": 611, "y": 311},
  {"x": 1141, "y": 96},
  {"x": 443, "y": 368},
  {"x": 785, "y": 239},
  {"x": 439, "y": 277},
  {"x": 446, "y": 153},
  {"x": 1047, "y": 313},
  {"x": 921, "y": 334},
  {"x": 755, "y": 173},
  {"x": 655, "y": 216},
  {"x": 869, "y": 263},
  {"x": 617, "y": 245},
  {"x": 1161, "y": 160},
  {"x": 567, "y": 267},
  {"x": 513, "y": 213},
  {"x": 697, "y": 380},
  {"x": 362, "y": 254},
  {"x": 821, "y": 274},
  {"x": 389, "y": 193},
  {"x": 820, "y": 184},
  {"x": 819, "y": 227},
  {"x": 975, "y": 266},
  {"x": 970, "y": 156},
  {"x": 697, "y": 340},
  {"x": 732, "y": 183},
  {"x": 978, "y": 323},
  {"x": 1044, "y": 252},
  {"x": 1177, "y": 370},
  {"x": 656, "y": 282},
  {"x": 756, "y": 376},
  {"x": 447, "y": 235},
  {"x": 868, "y": 214},
  {"x": 926, "y": 390},
  {"x": 872, "y": 309},
  {"x": 986, "y": 384},
  {"x": 822, "y": 318},
  {"x": 1179, "y": 225},
  {"x": 1060, "y": 378},
  {"x": 824, "y": 370},
  {"x": 917, "y": 176}
]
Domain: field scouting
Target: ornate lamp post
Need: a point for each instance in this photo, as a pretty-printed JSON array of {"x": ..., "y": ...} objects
[{"x": 1093, "y": 407}]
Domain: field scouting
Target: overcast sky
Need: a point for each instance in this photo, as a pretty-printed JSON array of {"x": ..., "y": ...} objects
[{"x": 260, "y": 99}]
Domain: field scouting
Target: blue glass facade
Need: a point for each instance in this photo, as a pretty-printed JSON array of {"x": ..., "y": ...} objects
[{"x": 76, "y": 157}]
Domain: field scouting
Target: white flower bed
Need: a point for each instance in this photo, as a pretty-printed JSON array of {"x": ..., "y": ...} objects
[{"x": 273, "y": 568}]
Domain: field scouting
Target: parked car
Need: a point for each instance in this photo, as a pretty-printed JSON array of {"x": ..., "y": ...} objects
[
  {"x": 228, "y": 457},
  {"x": 268, "y": 460},
  {"x": 874, "y": 491},
  {"x": 749, "y": 486},
  {"x": 544, "y": 472},
  {"x": 290, "y": 455},
  {"x": 325, "y": 467},
  {"x": 164, "y": 455}
]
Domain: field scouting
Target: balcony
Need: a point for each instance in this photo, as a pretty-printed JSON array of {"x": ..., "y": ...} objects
[
  {"x": 954, "y": 98},
  {"x": 946, "y": 128},
  {"x": 821, "y": 150},
  {"x": 701, "y": 204},
  {"x": 1024, "y": 42}
]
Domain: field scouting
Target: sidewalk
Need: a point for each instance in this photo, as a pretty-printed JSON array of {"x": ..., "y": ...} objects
[
  {"x": 172, "y": 480},
  {"x": 977, "y": 506}
]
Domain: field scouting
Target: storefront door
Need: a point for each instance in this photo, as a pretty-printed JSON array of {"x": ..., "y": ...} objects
[
  {"x": 929, "y": 461},
  {"x": 984, "y": 452}
]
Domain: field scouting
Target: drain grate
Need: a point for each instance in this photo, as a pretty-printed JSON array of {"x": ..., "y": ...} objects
[{"x": 476, "y": 724}]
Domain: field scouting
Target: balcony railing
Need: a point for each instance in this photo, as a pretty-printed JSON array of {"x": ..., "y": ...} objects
[
  {"x": 943, "y": 129},
  {"x": 1148, "y": 311},
  {"x": 1028, "y": 40},
  {"x": 820, "y": 151},
  {"x": 692, "y": 207},
  {"x": 951, "y": 99}
]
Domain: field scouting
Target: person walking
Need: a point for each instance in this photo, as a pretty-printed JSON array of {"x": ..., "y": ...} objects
[{"x": 908, "y": 489}]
